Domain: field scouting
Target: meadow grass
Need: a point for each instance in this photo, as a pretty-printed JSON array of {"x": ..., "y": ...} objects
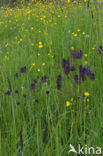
[{"x": 39, "y": 118}]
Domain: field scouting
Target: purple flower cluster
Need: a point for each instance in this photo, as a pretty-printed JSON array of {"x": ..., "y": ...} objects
[
  {"x": 76, "y": 55},
  {"x": 66, "y": 66},
  {"x": 23, "y": 69},
  {"x": 32, "y": 86},
  {"x": 58, "y": 82},
  {"x": 83, "y": 71}
]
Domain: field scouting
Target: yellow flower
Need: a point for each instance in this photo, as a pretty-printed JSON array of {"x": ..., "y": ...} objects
[
  {"x": 86, "y": 94},
  {"x": 93, "y": 48},
  {"x": 40, "y": 43},
  {"x": 67, "y": 103},
  {"x": 83, "y": 33},
  {"x": 38, "y": 70},
  {"x": 78, "y": 30},
  {"x": 48, "y": 54},
  {"x": 22, "y": 87},
  {"x": 68, "y": 0},
  {"x": 38, "y": 54},
  {"x": 32, "y": 44},
  {"x": 85, "y": 55},
  {"x": 5, "y": 57},
  {"x": 40, "y": 46},
  {"x": 21, "y": 39},
  {"x": 33, "y": 64},
  {"x": 72, "y": 48},
  {"x": 86, "y": 62},
  {"x": 75, "y": 35},
  {"x": 43, "y": 64}
]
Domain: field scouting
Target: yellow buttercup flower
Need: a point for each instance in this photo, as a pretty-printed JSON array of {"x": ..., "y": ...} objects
[
  {"x": 40, "y": 46},
  {"x": 5, "y": 57},
  {"x": 72, "y": 48},
  {"x": 43, "y": 64},
  {"x": 40, "y": 43},
  {"x": 32, "y": 44},
  {"x": 75, "y": 35},
  {"x": 83, "y": 33},
  {"x": 38, "y": 70},
  {"x": 93, "y": 48},
  {"x": 86, "y": 94},
  {"x": 67, "y": 103},
  {"x": 85, "y": 55},
  {"x": 86, "y": 62},
  {"x": 38, "y": 54},
  {"x": 78, "y": 30},
  {"x": 33, "y": 64}
]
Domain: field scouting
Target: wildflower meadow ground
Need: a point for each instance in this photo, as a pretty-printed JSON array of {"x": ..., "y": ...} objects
[{"x": 51, "y": 78}]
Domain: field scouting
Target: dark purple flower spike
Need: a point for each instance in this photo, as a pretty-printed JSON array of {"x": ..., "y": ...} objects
[
  {"x": 44, "y": 79},
  {"x": 59, "y": 78},
  {"x": 100, "y": 49},
  {"x": 23, "y": 70},
  {"x": 8, "y": 93}
]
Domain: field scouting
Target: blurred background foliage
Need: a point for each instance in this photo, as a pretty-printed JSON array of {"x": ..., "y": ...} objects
[{"x": 14, "y": 2}]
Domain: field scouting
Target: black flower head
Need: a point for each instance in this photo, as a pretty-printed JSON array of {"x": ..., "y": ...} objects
[
  {"x": 8, "y": 93},
  {"x": 24, "y": 95},
  {"x": 23, "y": 70},
  {"x": 32, "y": 86},
  {"x": 100, "y": 49},
  {"x": 58, "y": 81},
  {"x": 59, "y": 78},
  {"x": 36, "y": 101},
  {"x": 16, "y": 91},
  {"x": 16, "y": 75},
  {"x": 44, "y": 79},
  {"x": 47, "y": 92},
  {"x": 18, "y": 103}
]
